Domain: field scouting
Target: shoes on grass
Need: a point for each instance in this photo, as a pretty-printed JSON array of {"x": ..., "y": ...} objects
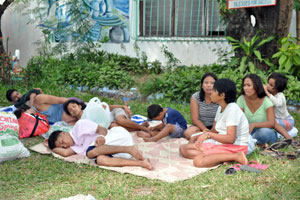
[
  {"x": 252, "y": 166},
  {"x": 280, "y": 144}
]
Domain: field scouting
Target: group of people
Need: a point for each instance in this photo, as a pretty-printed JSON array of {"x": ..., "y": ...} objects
[{"x": 220, "y": 131}]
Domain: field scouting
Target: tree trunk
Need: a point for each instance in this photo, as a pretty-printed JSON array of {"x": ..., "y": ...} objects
[
  {"x": 270, "y": 20},
  {"x": 298, "y": 25}
]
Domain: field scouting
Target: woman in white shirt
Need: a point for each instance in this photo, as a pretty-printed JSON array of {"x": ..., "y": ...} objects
[{"x": 230, "y": 131}]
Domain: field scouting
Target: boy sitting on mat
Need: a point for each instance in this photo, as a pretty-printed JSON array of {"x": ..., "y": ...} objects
[
  {"x": 173, "y": 124},
  {"x": 113, "y": 147}
]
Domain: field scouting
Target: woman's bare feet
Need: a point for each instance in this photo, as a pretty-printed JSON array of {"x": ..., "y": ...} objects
[
  {"x": 136, "y": 153},
  {"x": 146, "y": 164},
  {"x": 143, "y": 134},
  {"x": 241, "y": 158}
]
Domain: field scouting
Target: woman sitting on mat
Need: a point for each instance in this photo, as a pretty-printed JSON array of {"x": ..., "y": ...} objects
[
  {"x": 229, "y": 134},
  {"x": 203, "y": 110},
  {"x": 258, "y": 109}
]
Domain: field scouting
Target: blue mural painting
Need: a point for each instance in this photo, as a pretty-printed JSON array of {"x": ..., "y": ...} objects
[{"x": 109, "y": 18}]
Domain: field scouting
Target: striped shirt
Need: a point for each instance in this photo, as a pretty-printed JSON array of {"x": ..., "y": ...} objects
[{"x": 207, "y": 112}]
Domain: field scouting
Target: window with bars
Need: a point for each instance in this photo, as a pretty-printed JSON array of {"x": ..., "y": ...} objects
[{"x": 179, "y": 18}]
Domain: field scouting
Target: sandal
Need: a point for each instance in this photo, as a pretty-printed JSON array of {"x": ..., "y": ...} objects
[
  {"x": 292, "y": 155},
  {"x": 256, "y": 165},
  {"x": 230, "y": 171},
  {"x": 272, "y": 152},
  {"x": 252, "y": 166},
  {"x": 296, "y": 144},
  {"x": 280, "y": 144},
  {"x": 249, "y": 169}
]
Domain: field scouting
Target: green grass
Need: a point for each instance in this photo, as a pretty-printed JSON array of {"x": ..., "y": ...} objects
[{"x": 45, "y": 177}]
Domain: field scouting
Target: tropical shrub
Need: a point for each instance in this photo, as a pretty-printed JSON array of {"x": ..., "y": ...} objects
[
  {"x": 250, "y": 51},
  {"x": 288, "y": 56}
]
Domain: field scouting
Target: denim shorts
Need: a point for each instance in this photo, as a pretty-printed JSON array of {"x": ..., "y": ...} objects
[
  {"x": 178, "y": 132},
  {"x": 91, "y": 148},
  {"x": 287, "y": 123}
]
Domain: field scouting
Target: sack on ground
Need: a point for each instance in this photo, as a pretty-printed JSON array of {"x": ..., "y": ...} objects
[
  {"x": 32, "y": 125},
  {"x": 10, "y": 145}
]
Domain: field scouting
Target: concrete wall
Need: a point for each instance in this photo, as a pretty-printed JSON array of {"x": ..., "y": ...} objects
[{"x": 23, "y": 36}]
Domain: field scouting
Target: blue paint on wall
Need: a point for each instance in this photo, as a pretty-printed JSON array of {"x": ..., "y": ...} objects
[
  {"x": 110, "y": 17},
  {"x": 122, "y": 5}
]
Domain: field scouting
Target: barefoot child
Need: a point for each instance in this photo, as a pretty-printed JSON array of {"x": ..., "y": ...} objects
[
  {"x": 274, "y": 89},
  {"x": 230, "y": 131},
  {"x": 173, "y": 124},
  {"x": 113, "y": 147}
]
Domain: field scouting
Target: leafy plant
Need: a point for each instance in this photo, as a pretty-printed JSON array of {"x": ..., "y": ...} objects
[
  {"x": 292, "y": 92},
  {"x": 74, "y": 30},
  {"x": 297, "y": 5},
  {"x": 5, "y": 68},
  {"x": 172, "y": 60},
  {"x": 250, "y": 51},
  {"x": 288, "y": 55}
]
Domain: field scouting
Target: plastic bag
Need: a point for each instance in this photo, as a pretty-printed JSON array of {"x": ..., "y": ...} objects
[{"x": 97, "y": 113}]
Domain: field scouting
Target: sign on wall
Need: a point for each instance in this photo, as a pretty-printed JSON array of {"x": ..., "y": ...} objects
[{"x": 235, "y": 4}]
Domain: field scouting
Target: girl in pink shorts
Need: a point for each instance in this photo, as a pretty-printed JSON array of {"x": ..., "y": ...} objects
[{"x": 228, "y": 139}]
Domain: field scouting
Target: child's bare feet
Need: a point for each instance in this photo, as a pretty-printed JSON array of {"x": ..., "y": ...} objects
[
  {"x": 146, "y": 124},
  {"x": 143, "y": 134},
  {"x": 146, "y": 164},
  {"x": 136, "y": 153},
  {"x": 241, "y": 158}
]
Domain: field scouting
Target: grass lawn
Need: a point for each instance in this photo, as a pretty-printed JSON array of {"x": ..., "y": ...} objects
[{"x": 45, "y": 177}]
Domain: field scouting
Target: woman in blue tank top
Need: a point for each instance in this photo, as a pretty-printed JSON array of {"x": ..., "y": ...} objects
[{"x": 52, "y": 108}]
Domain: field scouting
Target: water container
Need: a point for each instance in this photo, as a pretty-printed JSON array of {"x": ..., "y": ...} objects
[{"x": 97, "y": 113}]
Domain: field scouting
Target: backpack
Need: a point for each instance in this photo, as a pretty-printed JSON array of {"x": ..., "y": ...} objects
[{"x": 32, "y": 125}]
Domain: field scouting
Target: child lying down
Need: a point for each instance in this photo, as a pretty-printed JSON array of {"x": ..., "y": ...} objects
[{"x": 109, "y": 147}]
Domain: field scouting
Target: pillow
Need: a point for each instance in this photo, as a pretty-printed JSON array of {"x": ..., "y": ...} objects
[
  {"x": 61, "y": 125},
  {"x": 8, "y": 109},
  {"x": 10, "y": 146}
]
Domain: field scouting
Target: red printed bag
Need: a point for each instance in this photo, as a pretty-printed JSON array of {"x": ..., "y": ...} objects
[{"x": 32, "y": 125}]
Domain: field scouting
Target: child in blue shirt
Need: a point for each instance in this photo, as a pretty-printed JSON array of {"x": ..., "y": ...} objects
[{"x": 173, "y": 124}]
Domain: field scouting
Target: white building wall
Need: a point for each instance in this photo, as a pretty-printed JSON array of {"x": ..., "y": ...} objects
[
  {"x": 21, "y": 35},
  {"x": 24, "y": 37}
]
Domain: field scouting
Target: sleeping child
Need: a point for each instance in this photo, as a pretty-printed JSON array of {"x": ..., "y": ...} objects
[{"x": 109, "y": 147}]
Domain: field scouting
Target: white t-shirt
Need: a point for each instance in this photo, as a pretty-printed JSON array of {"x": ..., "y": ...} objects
[
  {"x": 233, "y": 116},
  {"x": 84, "y": 135}
]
